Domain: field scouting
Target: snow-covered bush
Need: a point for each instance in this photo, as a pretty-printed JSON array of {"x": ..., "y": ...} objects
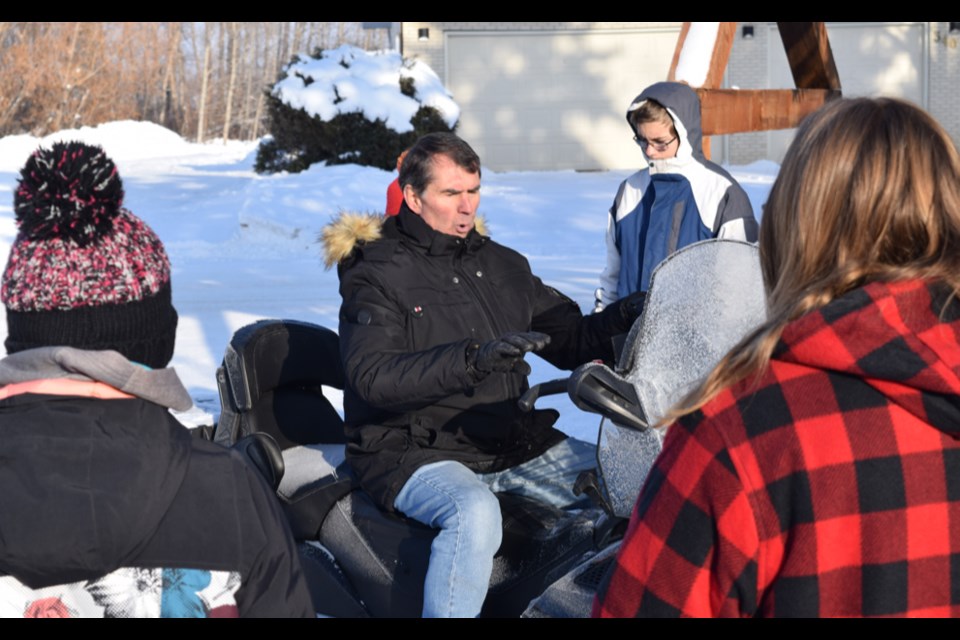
[{"x": 347, "y": 105}]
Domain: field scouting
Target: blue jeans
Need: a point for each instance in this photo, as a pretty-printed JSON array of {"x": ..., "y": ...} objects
[{"x": 448, "y": 496}]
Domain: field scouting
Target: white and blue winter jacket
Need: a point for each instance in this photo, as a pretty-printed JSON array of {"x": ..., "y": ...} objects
[{"x": 672, "y": 203}]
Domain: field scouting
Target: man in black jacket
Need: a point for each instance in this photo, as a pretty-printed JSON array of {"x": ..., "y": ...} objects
[{"x": 435, "y": 323}]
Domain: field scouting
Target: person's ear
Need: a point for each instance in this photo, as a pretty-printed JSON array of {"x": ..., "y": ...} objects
[{"x": 412, "y": 199}]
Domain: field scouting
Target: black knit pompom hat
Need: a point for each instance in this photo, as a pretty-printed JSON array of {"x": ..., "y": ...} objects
[{"x": 85, "y": 272}]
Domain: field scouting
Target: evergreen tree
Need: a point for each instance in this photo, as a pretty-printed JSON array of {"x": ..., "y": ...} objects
[{"x": 300, "y": 139}]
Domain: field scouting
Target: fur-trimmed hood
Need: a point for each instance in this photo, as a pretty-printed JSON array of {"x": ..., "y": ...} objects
[{"x": 346, "y": 230}]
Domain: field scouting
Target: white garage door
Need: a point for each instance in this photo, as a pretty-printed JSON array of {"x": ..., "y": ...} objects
[
  {"x": 873, "y": 59},
  {"x": 553, "y": 100}
]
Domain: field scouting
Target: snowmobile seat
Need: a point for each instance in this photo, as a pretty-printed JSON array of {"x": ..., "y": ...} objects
[
  {"x": 272, "y": 380},
  {"x": 385, "y": 555}
]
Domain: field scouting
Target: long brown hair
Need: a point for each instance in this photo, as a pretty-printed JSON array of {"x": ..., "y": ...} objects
[{"x": 868, "y": 191}]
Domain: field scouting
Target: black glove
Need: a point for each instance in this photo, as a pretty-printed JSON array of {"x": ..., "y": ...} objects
[
  {"x": 632, "y": 306},
  {"x": 505, "y": 354},
  {"x": 619, "y": 316}
]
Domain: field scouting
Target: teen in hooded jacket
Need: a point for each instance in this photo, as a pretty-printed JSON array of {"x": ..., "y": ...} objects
[{"x": 680, "y": 198}]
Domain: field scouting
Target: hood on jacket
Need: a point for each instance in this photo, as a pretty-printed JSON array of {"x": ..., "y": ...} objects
[
  {"x": 161, "y": 386},
  {"x": 345, "y": 232},
  {"x": 683, "y": 105},
  {"x": 900, "y": 338},
  {"x": 348, "y": 230}
]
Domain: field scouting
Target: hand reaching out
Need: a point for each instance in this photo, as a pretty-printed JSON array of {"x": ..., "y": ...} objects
[{"x": 505, "y": 354}]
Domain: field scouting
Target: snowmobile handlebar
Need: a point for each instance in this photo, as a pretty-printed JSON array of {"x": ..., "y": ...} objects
[
  {"x": 593, "y": 387},
  {"x": 548, "y": 388}
]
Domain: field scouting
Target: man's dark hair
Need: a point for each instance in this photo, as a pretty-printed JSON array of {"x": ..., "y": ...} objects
[{"x": 416, "y": 169}]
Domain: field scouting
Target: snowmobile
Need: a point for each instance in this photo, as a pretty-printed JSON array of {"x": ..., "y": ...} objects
[{"x": 277, "y": 378}]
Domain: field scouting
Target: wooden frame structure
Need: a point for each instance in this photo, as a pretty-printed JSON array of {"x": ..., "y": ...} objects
[{"x": 726, "y": 111}]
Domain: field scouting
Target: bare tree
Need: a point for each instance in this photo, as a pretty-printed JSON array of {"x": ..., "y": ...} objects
[
  {"x": 233, "y": 32},
  {"x": 205, "y": 75},
  {"x": 190, "y": 77}
]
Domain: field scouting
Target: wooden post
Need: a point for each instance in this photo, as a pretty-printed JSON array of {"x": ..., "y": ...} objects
[
  {"x": 719, "y": 57},
  {"x": 725, "y": 111},
  {"x": 681, "y": 40},
  {"x": 810, "y": 56}
]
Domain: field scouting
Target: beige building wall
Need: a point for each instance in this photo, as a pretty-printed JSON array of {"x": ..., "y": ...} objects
[
  {"x": 934, "y": 67},
  {"x": 751, "y": 66},
  {"x": 747, "y": 69},
  {"x": 431, "y": 50},
  {"x": 553, "y": 94},
  {"x": 944, "y": 85}
]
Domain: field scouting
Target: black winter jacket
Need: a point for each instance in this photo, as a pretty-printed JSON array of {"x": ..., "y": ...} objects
[
  {"x": 111, "y": 508},
  {"x": 413, "y": 301}
]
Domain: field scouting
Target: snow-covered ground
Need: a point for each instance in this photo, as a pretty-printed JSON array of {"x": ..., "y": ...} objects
[{"x": 243, "y": 246}]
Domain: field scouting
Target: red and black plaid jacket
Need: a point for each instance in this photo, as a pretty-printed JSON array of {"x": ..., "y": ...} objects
[{"x": 830, "y": 486}]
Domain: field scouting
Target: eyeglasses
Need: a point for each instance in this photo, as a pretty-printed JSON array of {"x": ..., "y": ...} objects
[{"x": 657, "y": 146}]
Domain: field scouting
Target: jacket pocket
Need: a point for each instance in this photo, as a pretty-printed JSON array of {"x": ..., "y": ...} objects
[{"x": 436, "y": 317}]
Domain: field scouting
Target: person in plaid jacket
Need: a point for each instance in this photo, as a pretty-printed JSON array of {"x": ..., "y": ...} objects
[{"x": 816, "y": 470}]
